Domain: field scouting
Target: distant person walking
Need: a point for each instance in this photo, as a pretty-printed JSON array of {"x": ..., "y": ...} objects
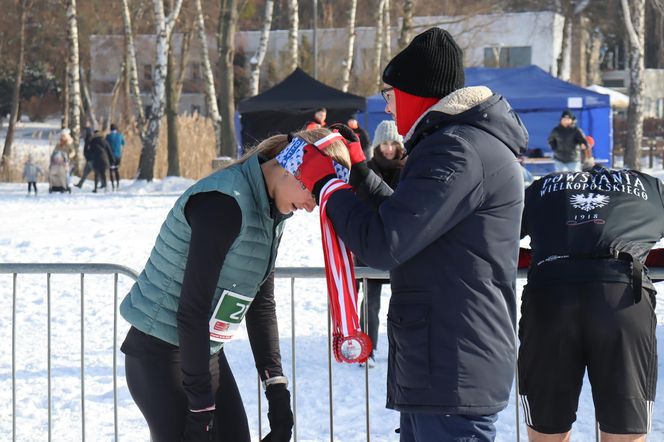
[
  {"x": 565, "y": 140},
  {"x": 31, "y": 173},
  {"x": 116, "y": 140},
  {"x": 89, "y": 133},
  {"x": 102, "y": 158}
]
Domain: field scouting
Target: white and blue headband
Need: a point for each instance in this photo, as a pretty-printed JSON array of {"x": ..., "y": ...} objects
[{"x": 292, "y": 156}]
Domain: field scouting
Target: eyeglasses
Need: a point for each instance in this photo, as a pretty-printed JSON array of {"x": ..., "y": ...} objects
[{"x": 384, "y": 93}]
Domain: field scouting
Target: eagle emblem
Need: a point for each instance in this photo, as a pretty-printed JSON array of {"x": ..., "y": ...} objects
[{"x": 589, "y": 202}]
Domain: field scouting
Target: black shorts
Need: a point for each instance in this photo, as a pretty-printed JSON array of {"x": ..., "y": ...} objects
[{"x": 566, "y": 328}]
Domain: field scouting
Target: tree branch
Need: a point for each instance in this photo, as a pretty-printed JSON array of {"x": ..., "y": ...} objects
[
  {"x": 633, "y": 36},
  {"x": 583, "y": 4}
]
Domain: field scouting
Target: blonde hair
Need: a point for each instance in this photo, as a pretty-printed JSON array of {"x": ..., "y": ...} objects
[{"x": 270, "y": 147}]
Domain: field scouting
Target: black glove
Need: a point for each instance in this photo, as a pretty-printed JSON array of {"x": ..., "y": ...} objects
[
  {"x": 198, "y": 426},
  {"x": 345, "y": 132},
  {"x": 279, "y": 413}
]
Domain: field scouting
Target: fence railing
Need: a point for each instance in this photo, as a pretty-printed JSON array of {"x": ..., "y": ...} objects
[{"x": 291, "y": 273}]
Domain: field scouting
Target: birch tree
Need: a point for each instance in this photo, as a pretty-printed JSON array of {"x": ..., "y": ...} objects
[
  {"x": 74, "y": 79},
  {"x": 132, "y": 71},
  {"x": 226, "y": 48},
  {"x": 634, "y": 16},
  {"x": 257, "y": 59},
  {"x": 23, "y": 6},
  {"x": 210, "y": 92},
  {"x": 348, "y": 62},
  {"x": 87, "y": 101},
  {"x": 406, "y": 24},
  {"x": 379, "y": 43},
  {"x": 164, "y": 27},
  {"x": 293, "y": 12},
  {"x": 174, "y": 82},
  {"x": 387, "y": 33}
]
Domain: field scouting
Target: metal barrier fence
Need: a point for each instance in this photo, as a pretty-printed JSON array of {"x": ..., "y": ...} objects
[{"x": 291, "y": 273}]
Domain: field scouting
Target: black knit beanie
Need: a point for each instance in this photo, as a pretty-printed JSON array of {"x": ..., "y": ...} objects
[{"x": 430, "y": 66}]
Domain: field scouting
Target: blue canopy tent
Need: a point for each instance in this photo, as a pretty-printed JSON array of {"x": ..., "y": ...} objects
[{"x": 539, "y": 98}]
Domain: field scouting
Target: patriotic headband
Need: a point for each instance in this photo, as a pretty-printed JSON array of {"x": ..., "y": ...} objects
[{"x": 291, "y": 157}]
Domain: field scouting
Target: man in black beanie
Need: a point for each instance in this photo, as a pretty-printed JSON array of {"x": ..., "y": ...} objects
[
  {"x": 565, "y": 141},
  {"x": 448, "y": 234}
]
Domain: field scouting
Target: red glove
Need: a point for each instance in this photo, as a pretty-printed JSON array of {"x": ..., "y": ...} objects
[
  {"x": 352, "y": 142},
  {"x": 315, "y": 167}
]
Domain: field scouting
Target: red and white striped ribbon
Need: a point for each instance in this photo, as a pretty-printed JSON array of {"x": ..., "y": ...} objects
[{"x": 351, "y": 344}]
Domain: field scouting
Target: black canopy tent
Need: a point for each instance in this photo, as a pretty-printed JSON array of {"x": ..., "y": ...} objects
[{"x": 289, "y": 105}]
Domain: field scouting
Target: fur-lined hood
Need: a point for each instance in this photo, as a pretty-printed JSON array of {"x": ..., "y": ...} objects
[{"x": 476, "y": 106}]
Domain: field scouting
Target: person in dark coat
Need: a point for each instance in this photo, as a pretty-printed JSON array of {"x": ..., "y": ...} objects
[
  {"x": 566, "y": 140},
  {"x": 88, "y": 133},
  {"x": 102, "y": 158},
  {"x": 449, "y": 235},
  {"x": 362, "y": 135}
]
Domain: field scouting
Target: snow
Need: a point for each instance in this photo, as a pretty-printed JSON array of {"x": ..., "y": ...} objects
[{"x": 120, "y": 228}]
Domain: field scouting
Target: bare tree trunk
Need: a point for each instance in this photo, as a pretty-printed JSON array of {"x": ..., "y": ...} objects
[
  {"x": 87, "y": 101},
  {"x": 379, "y": 43},
  {"x": 564, "y": 55},
  {"x": 173, "y": 93},
  {"x": 164, "y": 27},
  {"x": 387, "y": 34},
  {"x": 16, "y": 93},
  {"x": 115, "y": 95},
  {"x": 257, "y": 60},
  {"x": 64, "y": 122},
  {"x": 210, "y": 92},
  {"x": 127, "y": 114},
  {"x": 226, "y": 48},
  {"x": 634, "y": 14},
  {"x": 184, "y": 60},
  {"x": 74, "y": 81},
  {"x": 293, "y": 29},
  {"x": 348, "y": 63},
  {"x": 594, "y": 57},
  {"x": 172, "y": 104},
  {"x": 130, "y": 52},
  {"x": 406, "y": 24}
]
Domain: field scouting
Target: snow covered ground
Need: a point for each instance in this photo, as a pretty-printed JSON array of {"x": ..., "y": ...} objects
[{"x": 120, "y": 228}]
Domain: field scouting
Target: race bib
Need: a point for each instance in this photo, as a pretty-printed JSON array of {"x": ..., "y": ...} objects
[{"x": 227, "y": 315}]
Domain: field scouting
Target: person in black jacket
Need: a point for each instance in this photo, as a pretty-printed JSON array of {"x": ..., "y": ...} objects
[
  {"x": 565, "y": 141},
  {"x": 101, "y": 157},
  {"x": 449, "y": 235},
  {"x": 87, "y": 137},
  {"x": 589, "y": 301}
]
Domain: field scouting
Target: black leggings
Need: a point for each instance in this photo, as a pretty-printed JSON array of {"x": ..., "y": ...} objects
[
  {"x": 32, "y": 185},
  {"x": 155, "y": 384}
]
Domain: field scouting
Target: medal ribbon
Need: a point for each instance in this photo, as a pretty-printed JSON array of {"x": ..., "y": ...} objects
[{"x": 350, "y": 343}]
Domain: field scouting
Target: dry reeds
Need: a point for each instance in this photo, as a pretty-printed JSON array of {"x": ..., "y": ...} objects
[{"x": 196, "y": 151}]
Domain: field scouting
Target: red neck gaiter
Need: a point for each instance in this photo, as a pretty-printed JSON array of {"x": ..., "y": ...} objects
[{"x": 410, "y": 108}]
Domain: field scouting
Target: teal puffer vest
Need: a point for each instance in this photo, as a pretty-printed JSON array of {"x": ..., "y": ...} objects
[{"x": 152, "y": 302}]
